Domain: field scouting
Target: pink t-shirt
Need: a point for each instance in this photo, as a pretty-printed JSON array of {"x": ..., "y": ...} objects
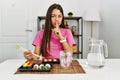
[{"x": 55, "y": 45}]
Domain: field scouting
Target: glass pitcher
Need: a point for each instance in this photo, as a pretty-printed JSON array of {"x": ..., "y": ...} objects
[{"x": 97, "y": 52}]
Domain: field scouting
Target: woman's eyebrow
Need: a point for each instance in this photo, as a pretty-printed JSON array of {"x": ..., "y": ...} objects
[{"x": 55, "y": 14}]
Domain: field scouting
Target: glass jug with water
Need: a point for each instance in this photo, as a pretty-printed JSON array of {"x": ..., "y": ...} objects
[{"x": 97, "y": 52}]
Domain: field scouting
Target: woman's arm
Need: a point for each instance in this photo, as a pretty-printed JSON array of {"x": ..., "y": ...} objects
[
  {"x": 66, "y": 46},
  {"x": 37, "y": 50}
]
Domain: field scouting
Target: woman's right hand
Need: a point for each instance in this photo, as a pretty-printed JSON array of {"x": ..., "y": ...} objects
[{"x": 28, "y": 55}]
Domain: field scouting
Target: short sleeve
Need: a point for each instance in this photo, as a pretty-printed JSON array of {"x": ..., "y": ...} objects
[
  {"x": 38, "y": 38},
  {"x": 69, "y": 37}
]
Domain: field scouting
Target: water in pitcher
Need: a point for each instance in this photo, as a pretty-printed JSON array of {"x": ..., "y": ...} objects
[{"x": 97, "y": 53}]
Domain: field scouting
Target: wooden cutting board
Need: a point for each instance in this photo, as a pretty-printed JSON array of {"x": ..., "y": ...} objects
[{"x": 75, "y": 68}]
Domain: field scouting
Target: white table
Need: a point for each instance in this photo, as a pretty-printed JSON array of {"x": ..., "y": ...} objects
[{"x": 110, "y": 71}]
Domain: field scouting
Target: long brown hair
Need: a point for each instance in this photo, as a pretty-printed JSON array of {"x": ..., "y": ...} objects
[{"x": 48, "y": 28}]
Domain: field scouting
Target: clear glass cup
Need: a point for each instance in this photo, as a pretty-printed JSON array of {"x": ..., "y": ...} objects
[{"x": 65, "y": 59}]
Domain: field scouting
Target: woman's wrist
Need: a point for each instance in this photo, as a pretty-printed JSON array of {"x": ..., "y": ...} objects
[{"x": 63, "y": 40}]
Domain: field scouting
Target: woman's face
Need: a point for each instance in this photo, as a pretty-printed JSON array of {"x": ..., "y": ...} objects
[{"x": 56, "y": 17}]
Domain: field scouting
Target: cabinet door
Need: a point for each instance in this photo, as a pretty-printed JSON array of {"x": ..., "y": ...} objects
[{"x": 13, "y": 25}]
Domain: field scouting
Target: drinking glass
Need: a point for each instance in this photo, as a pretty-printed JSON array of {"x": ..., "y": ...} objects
[{"x": 65, "y": 58}]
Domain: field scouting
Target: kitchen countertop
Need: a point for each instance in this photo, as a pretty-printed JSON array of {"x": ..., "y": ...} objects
[{"x": 110, "y": 71}]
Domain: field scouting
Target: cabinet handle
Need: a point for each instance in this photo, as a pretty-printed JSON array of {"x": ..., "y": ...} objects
[{"x": 28, "y": 30}]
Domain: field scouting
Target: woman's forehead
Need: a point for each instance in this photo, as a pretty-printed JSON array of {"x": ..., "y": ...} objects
[{"x": 56, "y": 11}]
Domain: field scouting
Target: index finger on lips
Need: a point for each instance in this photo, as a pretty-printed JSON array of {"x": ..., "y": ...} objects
[{"x": 57, "y": 25}]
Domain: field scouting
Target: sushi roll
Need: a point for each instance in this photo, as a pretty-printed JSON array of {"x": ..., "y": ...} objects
[
  {"x": 30, "y": 63},
  {"x": 26, "y": 64},
  {"x": 49, "y": 60},
  {"x": 35, "y": 67},
  {"x": 45, "y": 60},
  {"x": 47, "y": 66},
  {"x": 54, "y": 60},
  {"x": 41, "y": 67}
]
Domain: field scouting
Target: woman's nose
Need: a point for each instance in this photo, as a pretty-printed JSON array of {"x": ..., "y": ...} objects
[{"x": 56, "y": 18}]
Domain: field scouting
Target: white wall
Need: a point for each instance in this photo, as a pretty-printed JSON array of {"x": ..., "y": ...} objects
[
  {"x": 108, "y": 29},
  {"x": 110, "y": 26}
]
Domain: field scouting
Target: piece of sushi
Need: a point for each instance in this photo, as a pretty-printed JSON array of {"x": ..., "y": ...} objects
[
  {"x": 54, "y": 60},
  {"x": 35, "y": 67},
  {"x": 41, "y": 67},
  {"x": 45, "y": 60},
  {"x": 49, "y": 60},
  {"x": 47, "y": 66},
  {"x": 26, "y": 64},
  {"x": 30, "y": 63}
]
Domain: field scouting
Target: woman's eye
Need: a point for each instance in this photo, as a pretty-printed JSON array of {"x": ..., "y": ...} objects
[
  {"x": 53, "y": 16},
  {"x": 60, "y": 16}
]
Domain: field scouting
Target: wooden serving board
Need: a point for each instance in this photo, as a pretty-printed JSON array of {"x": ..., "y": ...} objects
[{"x": 75, "y": 68}]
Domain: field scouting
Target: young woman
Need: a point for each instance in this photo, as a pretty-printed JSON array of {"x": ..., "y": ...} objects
[{"x": 54, "y": 37}]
